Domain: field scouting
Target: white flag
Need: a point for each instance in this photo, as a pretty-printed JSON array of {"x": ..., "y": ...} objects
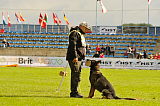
[
  {"x": 104, "y": 10},
  {"x": 149, "y": 1}
]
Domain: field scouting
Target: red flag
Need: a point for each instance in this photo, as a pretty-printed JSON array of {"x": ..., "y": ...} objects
[
  {"x": 40, "y": 18},
  {"x": 21, "y": 18},
  {"x": 9, "y": 21},
  {"x": 55, "y": 19},
  {"x": 44, "y": 21},
  {"x": 59, "y": 21},
  {"x": 45, "y": 17},
  {"x": 43, "y": 24},
  {"x": 65, "y": 18}
]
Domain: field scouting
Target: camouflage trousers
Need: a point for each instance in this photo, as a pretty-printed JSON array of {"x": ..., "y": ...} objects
[{"x": 75, "y": 75}]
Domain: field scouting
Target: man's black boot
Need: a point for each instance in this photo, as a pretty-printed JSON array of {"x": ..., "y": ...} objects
[{"x": 75, "y": 95}]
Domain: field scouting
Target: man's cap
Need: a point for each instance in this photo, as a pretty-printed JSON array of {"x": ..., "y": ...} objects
[{"x": 85, "y": 25}]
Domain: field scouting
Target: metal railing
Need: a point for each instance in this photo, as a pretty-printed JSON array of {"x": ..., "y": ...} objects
[
  {"x": 95, "y": 29},
  {"x": 35, "y": 28},
  {"x": 127, "y": 29}
]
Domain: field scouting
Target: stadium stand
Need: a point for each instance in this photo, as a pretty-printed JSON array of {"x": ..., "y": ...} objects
[{"x": 55, "y": 44}]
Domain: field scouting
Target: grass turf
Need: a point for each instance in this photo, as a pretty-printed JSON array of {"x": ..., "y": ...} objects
[{"x": 25, "y": 86}]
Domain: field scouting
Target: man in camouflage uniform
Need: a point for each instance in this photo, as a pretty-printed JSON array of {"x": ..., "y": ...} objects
[{"x": 75, "y": 54}]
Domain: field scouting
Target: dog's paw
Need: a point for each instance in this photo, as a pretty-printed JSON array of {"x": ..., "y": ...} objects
[
  {"x": 89, "y": 97},
  {"x": 104, "y": 97}
]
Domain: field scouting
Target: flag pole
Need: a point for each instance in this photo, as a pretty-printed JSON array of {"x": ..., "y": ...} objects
[
  {"x": 148, "y": 19},
  {"x": 122, "y": 13},
  {"x": 22, "y": 27},
  {"x": 10, "y": 23},
  {"x": 2, "y": 21},
  {"x": 96, "y": 16},
  {"x": 122, "y": 17}
]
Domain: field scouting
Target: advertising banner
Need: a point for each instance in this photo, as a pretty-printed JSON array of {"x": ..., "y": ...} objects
[
  {"x": 108, "y": 30},
  {"x": 34, "y": 61},
  {"x": 119, "y": 63}
]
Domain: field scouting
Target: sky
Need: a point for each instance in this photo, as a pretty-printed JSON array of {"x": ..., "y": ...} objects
[{"x": 77, "y": 11}]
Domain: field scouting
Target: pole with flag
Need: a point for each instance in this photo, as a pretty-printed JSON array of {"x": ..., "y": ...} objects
[
  {"x": 45, "y": 21},
  {"x": 104, "y": 10},
  {"x": 122, "y": 17},
  {"x": 22, "y": 20},
  {"x": 57, "y": 21},
  {"x": 67, "y": 22},
  {"x": 65, "y": 18},
  {"x": 149, "y": 1},
  {"x": 40, "y": 21},
  {"x": 18, "y": 19},
  {"x": 40, "y": 18},
  {"x": 4, "y": 21},
  {"x": 9, "y": 22}
]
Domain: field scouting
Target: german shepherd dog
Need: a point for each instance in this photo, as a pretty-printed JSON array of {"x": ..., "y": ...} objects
[{"x": 100, "y": 83}]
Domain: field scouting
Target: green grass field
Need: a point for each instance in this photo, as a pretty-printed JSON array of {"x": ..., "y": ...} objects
[{"x": 37, "y": 87}]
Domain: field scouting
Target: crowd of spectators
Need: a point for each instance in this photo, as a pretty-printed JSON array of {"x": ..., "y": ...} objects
[
  {"x": 154, "y": 56},
  {"x": 131, "y": 52},
  {"x": 100, "y": 52}
]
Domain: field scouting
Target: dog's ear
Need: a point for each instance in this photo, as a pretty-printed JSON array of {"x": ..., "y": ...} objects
[
  {"x": 92, "y": 62},
  {"x": 88, "y": 62}
]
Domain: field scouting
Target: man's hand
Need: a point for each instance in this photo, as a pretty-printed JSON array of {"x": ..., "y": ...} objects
[{"x": 75, "y": 60}]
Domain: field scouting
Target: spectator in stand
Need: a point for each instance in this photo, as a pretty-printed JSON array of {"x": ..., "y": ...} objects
[
  {"x": 108, "y": 49},
  {"x": 101, "y": 55},
  {"x": 88, "y": 49},
  {"x": 125, "y": 53},
  {"x": 140, "y": 55},
  {"x": 103, "y": 49},
  {"x": 134, "y": 51},
  {"x": 155, "y": 56},
  {"x": 4, "y": 43},
  {"x": 112, "y": 51},
  {"x": 158, "y": 57},
  {"x": 151, "y": 56},
  {"x": 96, "y": 55},
  {"x": 145, "y": 54},
  {"x": 129, "y": 49},
  {"x": 130, "y": 52},
  {"x": 8, "y": 44},
  {"x": 98, "y": 49}
]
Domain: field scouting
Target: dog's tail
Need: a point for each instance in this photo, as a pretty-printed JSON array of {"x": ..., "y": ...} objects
[
  {"x": 129, "y": 98},
  {"x": 126, "y": 98}
]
